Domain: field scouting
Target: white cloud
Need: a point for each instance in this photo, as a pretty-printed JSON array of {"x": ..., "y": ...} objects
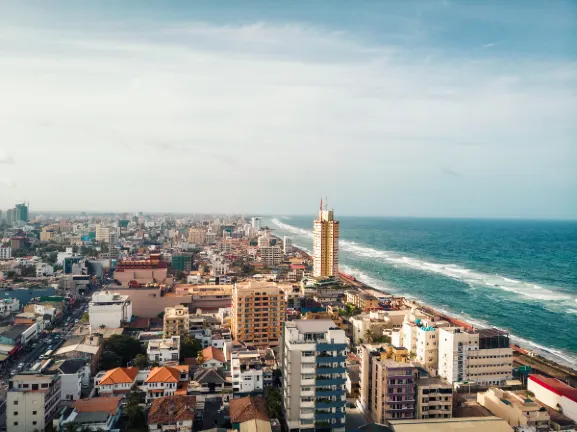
[{"x": 234, "y": 114}]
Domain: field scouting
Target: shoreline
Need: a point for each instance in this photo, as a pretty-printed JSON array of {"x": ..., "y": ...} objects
[{"x": 551, "y": 367}]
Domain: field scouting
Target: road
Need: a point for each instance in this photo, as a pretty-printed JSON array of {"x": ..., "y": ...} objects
[{"x": 30, "y": 355}]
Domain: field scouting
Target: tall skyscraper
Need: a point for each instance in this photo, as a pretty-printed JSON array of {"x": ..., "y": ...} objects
[
  {"x": 22, "y": 212},
  {"x": 325, "y": 244}
]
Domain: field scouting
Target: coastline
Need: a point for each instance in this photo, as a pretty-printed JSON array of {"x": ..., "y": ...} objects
[{"x": 523, "y": 357}]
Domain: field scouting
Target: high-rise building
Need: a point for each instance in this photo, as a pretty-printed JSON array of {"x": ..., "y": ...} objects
[
  {"x": 325, "y": 244},
  {"x": 258, "y": 311},
  {"x": 102, "y": 233},
  {"x": 197, "y": 235},
  {"x": 270, "y": 255},
  {"x": 176, "y": 321},
  {"x": 287, "y": 245},
  {"x": 22, "y": 212},
  {"x": 314, "y": 375},
  {"x": 481, "y": 356},
  {"x": 255, "y": 223},
  {"x": 32, "y": 401}
]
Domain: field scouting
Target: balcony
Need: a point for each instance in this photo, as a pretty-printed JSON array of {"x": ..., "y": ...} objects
[
  {"x": 330, "y": 404},
  {"x": 327, "y": 392},
  {"x": 330, "y": 359},
  {"x": 331, "y": 370},
  {"x": 331, "y": 347}
]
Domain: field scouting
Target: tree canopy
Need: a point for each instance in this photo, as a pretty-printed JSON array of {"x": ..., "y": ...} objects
[{"x": 119, "y": 350}]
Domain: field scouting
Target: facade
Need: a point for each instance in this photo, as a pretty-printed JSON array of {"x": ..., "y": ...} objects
[
  {"x": 102, "y": 234},
  {"x": 555, "y": 394},
  {"x": 325, "y": 244},
  {"x": 271, "y": 256},
  {"x": 176, "y": 321},
  {"x": 481, "y": 356},
  {"x": 258, "y": 312},
  {"x": 74, "y": 374},
  {"x": 517, "y": 409},
  {"x": 110, "y": 310},
  {"x": 434, "y": 398},
  {"x": 162, "y": 351},
  {"x": 163, "y": 381},
  {"x": 287, "y": 245},
  {"x": 247, "y": 372},
  {"x": 362, "y": 300},
  {"x": 182, "y": 262},
  {"x": 97, "y": 414},
  {"x": 314, "y": 375},
  {"x": 197, "y": 236},
  {"x": 5, "y": 253},
  {"x": 31, "y": 402},
  {"x": 212, "y": 358}
]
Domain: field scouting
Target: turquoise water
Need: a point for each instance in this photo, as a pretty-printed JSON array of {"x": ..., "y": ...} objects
[{"x": 516, "y": 275}]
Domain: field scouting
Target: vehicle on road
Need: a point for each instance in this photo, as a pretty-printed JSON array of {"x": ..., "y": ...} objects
[{"x": 21, "y": 366}]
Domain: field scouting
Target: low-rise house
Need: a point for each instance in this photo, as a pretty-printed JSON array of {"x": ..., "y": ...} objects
[
  {"x": 207, "y": 381},
  {"x": 247, "y": 372},
  {"x": 20, "y": 335},
  {"x": 164, "y": 381},
  {"x": 246, "y": 409},
  {"x": 172, "y": 413},
  {"x": 212, "y": 358},
  {"x": 87, "y": 347},
  {"x": 95, "y": 413},
  {"x": 165, "y": 350},
  {"x": 115, "y": 381},
  {"x": 74, "y": 374},
  {"x": 9, "y": 306},
  {"x": 554, "y": 393}
]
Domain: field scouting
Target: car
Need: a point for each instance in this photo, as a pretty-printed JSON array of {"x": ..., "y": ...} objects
[
  {"x": 13, "y": 373},
  {"x": 21, "y": 366},
  {"x": 41, "y": 357}
]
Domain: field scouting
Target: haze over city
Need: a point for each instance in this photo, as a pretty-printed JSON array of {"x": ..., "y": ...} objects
[{"x": 433, "y": 108}]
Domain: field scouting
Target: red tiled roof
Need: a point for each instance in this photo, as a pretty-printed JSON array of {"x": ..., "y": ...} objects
[
  {"x": 163, "y": 374},
  {"x": 248, "y": 408},
  {"x": 213, "y": 353},
  {"x": 119, "y": 376},
  {"x": 171, "y": 409},
  {"x": 99, "y": 404},
  {"x": 555, "y": 386}
]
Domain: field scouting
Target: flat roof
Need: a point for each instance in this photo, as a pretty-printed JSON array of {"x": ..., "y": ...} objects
[
  {"x": 469, "y": 424},
  {"x": 315, "y": 326}
]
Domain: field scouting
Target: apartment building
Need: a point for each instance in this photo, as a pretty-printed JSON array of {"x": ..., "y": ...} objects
[
  {"x": 325, "y": 244},
  {"x": 176, "y": 321},
  {"x": 102, "y": 233},
  {"x": 434, "y": 397},
  {"x": 164, "y": 350},
  {"x": 109, "y": 310},
  {"x": 197, "y": 236},
  {"x": 287, "y": 245},
  {"x": 314, "y": 375},
  {"x": 271, "y": 256},
  {"x": 481, "y": 356},
  {"x": 247, "y": 372},
  {"x": 362, "y": 300},
  {"x": 31, "y": 402},
  {"x": 258, "y": 311},
  {"x": 5, "y": 253}
]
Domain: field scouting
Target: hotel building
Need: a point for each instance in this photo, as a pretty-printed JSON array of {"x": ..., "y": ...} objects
[{"x": 314, "y": 375}]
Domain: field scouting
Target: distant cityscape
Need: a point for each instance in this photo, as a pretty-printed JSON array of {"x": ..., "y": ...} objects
[{"x": 152, "y": 322}]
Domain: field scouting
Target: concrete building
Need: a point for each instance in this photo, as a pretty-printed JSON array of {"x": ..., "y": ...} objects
[
  {"x": 362, "y": 300},
  {"x": 96, "y": 414},
  {"x": 256, "y": 223},
  {"x": 165, "y": 350},
  {"x": 5, "y": 252},
  {"x": 314, "y": 375},
  {"x": 325, "y": 244},
  {"x": 117, "y": 381},
  {"x": 258, "y": 312},
  {"x": 176, "y": 321},
  {"x": 31, "y": 402},
  {"x": 555, "y": 394},
  {"x": 165, "y": 413},
  {"x": 517, "y": 409},
  {"x": 287, "y": 245},
  {"x": 164, "y": 381},
  {"x": 182, "y": 262},
  {"x": 74, "y": 375},
  {"x": 434, "y": 397},
  {"x": 110, "y": 310},
  {"x": 197, "y": 236},
  {"x": 481, "y": 356},
  {"x": 247, "y": 372},
  {"x": 271, "y": 256},
  {"x": 102, "y": 233}
]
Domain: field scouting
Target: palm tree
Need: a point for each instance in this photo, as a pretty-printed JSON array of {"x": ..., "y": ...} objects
[{"x": 369, "y": 335}]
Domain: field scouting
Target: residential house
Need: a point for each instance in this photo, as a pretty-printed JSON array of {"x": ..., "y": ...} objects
[
  {"x": 172, "y": 413},
  {"x": 115, "y": 381},
  {"x": 74, "y": 374},
  {"x": 165, "y": 380},
  {"x": 87, "y": 347},
  {"x": 100, "y": 413},
  {"x": 207, "y": 381},
  {"x": 212, "y": 358},
  {"x": 247, "y": 372},
  {"x": 246, "y": 409},
  {"x": 165, "y": 350}
]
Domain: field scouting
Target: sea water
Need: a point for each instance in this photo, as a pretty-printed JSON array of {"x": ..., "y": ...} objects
[{"x": 520, "y": 276}]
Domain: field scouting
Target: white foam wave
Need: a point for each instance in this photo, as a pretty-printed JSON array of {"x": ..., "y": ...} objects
[{"x": 531, "y": 291}]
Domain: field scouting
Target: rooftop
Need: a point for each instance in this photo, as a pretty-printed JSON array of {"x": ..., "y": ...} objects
[
  {"x": 248, "y": 408},
  {"x": 314, "y": 326},
  {"x": 107, "y": 404},
  {"x": 119, "y": 376},
  {"x": 471, "y": 424},
  {"x": 172, "y": 408}
]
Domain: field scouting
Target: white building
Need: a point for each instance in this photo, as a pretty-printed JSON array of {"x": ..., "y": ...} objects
[
  {"x": 247, "y": 372},
  {"x": 271, "y": 255},
  {"x": 9, "y": 306},
  {"x": 314, "y": 374},
  {"x": 163, "y": 381},
  {"x": 102, "y": 233},
  {"x": 5, "y": 253},
  {"x": 44, "y": 269},
  {"x": 263, "y": 241},
  {"x": 325, "y": 244},
  {"x": 32, "y": 402},
  {"x": 481, "y": 356},
  {"x": 555, "y": 394},
  {"x": 109, "y": 310},
  {"x": 74, "y": 374},
  {"x": 256, "y": 222},
  {"x": 287, "y": 245},
  {"x": 164, "y": 350},
  {"x": 68, "y": 253}
]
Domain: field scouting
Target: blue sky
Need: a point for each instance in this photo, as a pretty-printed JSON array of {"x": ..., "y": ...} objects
[{"x": 401, "y": 108}]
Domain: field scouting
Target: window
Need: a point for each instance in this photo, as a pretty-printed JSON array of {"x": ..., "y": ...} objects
[
  {"x": 15, "y": 413},
  {"x": 33, "y": 422},
  {"x": 15, "y": 423},
  {"x": 34, "y": 412},
  {"x": 15, "y": 402}
]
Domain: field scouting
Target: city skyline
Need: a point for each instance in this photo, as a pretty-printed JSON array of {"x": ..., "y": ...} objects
[{"x": 432, "y": 109}]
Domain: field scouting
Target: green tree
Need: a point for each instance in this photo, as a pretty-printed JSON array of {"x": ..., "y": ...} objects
[
  {"x": 140, "y": 361},
  {"x": 274, "y": 403},
  {"x": 132, "y": 409},
  {"x": 189, "y": 348},
  {"x": 369, "y": 336},
  {"x": 51, "y": 258},
  {"x": 119, "y": 350}
]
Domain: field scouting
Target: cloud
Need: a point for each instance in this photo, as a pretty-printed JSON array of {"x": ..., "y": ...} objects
[
  {"x": 6, "y": 159},
  {"x": 492, "y": 44},
  {"x": 270, "y": 100}
]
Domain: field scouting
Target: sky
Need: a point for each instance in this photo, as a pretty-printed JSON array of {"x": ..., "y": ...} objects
[{"x": 393, "y": 108}]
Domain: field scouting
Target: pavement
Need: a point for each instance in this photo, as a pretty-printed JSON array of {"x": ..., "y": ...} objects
[
  {"x": 30, "y": 355},
  {"x": 355, "y": 419}
]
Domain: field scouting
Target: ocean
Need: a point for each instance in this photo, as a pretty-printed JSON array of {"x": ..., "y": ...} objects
[{"x": 520, "y": 276}]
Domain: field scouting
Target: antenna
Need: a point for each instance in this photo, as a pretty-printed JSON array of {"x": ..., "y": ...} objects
[
  {"x": 321, "y": 207},
  {"x": 326, "y": 203}
]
